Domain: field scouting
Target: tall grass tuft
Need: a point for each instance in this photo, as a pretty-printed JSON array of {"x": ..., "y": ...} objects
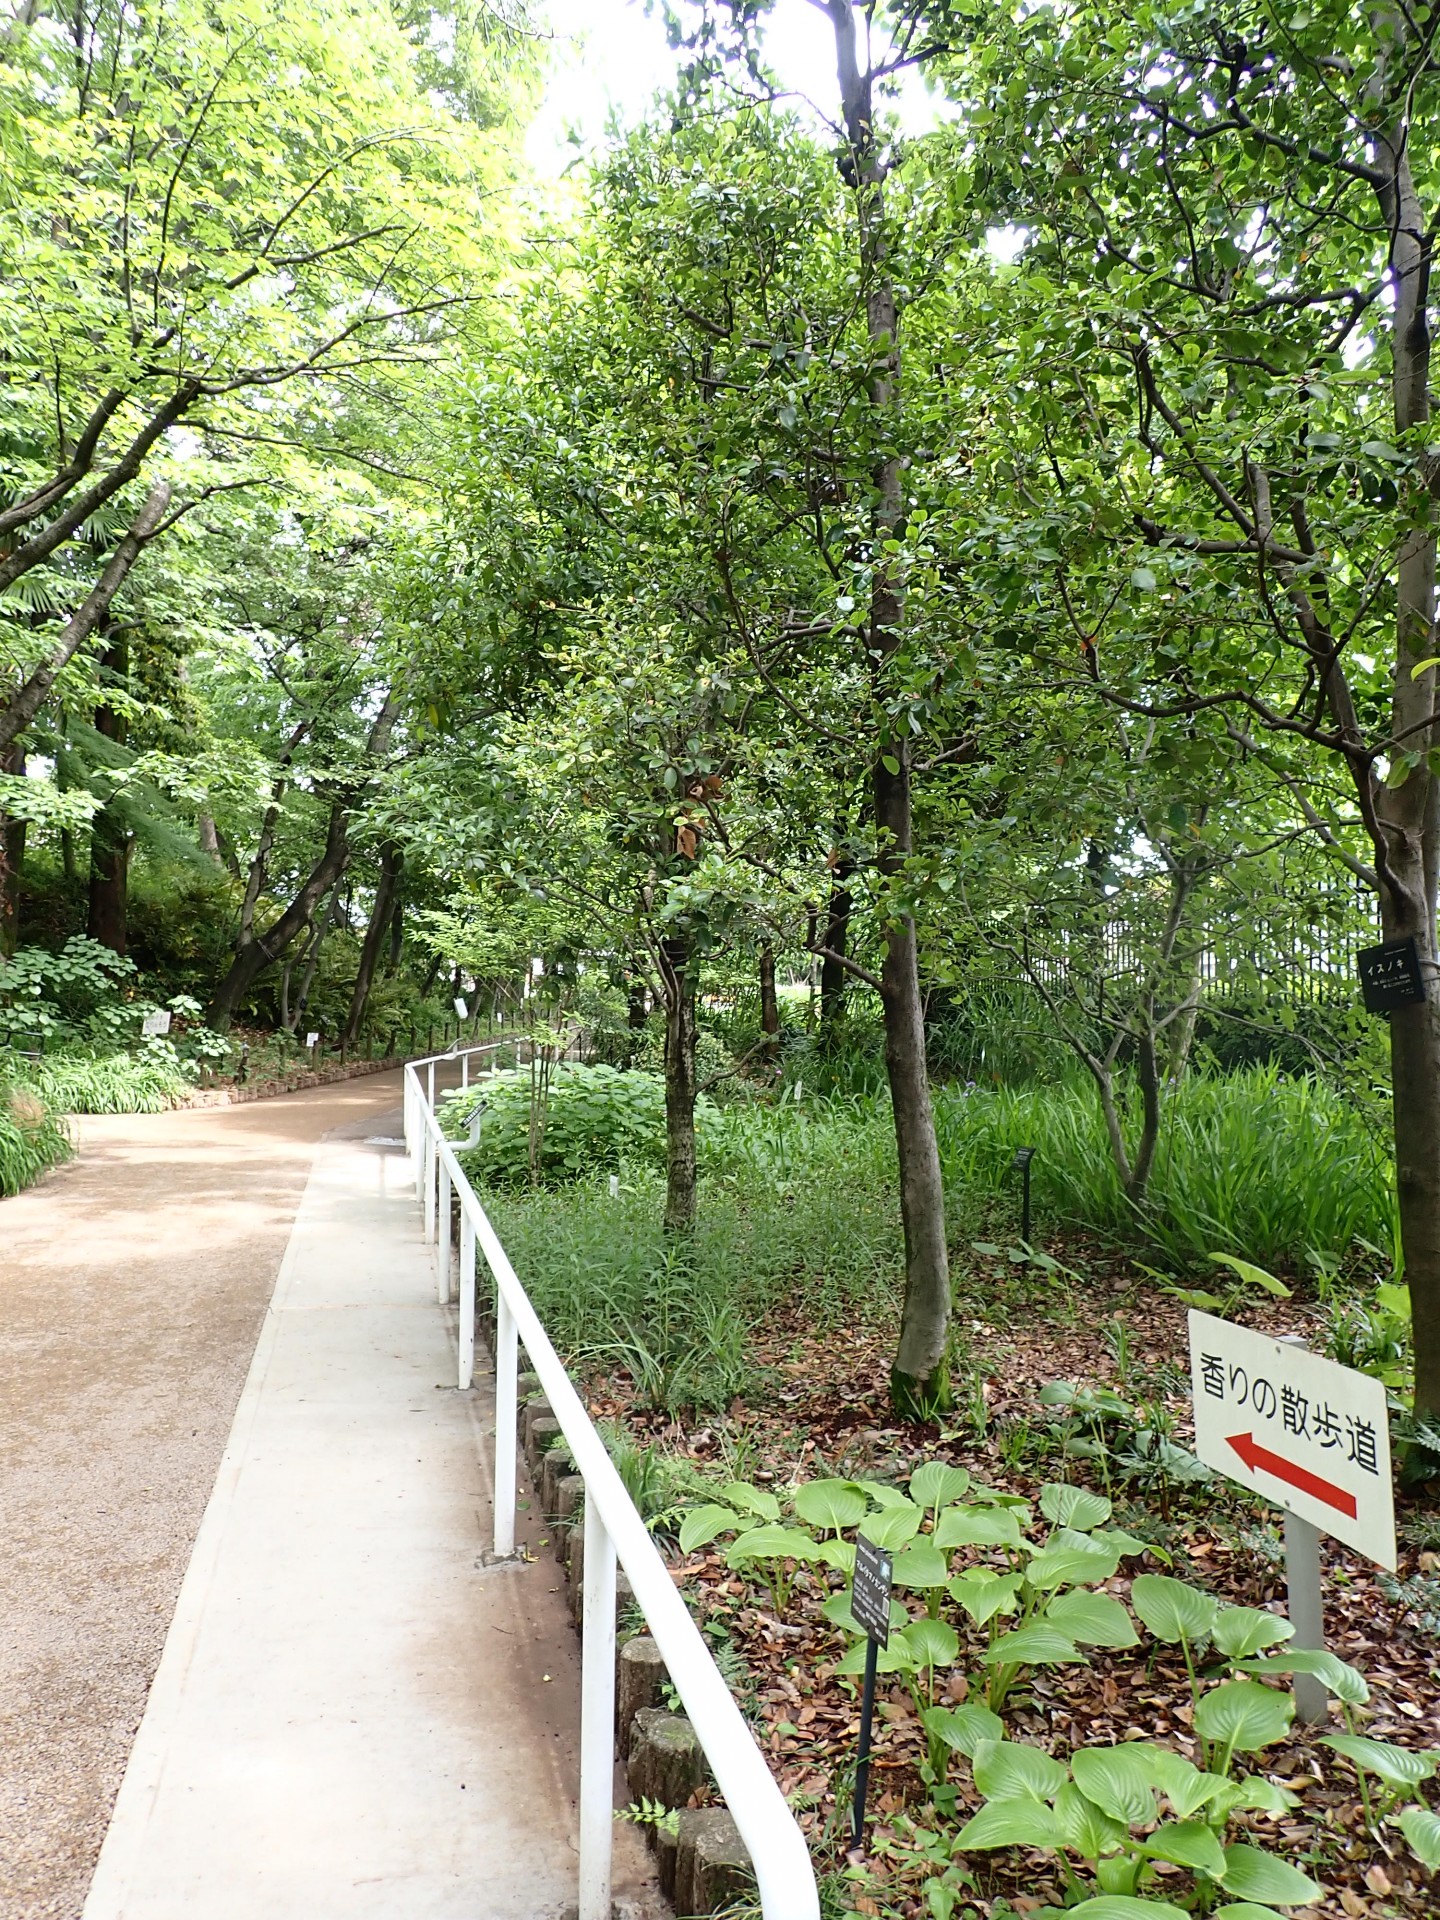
[
  {"x": 32, "y": 1139},
  {"x": 107, "y": 1083},
  {"x": 1256, "y": 1163}
]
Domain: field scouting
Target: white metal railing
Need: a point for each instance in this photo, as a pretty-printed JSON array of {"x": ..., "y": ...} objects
[{"x": 614, "y": 1531}]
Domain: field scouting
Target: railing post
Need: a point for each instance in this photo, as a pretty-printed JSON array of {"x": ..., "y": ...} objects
[
  {"x": 431, "y": 1094},
  {"x": 597, "y": 1719},
  {"x": 507, "y": 1412},
  {"x": 464, "y": 1071},
  {"x": 430, "y": 1168},
  {"x": 442, "y": 1233},
  {"x": 467, "y": 1300}
]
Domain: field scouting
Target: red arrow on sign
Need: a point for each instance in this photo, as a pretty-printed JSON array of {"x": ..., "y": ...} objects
[{"x": 1261, "y": 1460}]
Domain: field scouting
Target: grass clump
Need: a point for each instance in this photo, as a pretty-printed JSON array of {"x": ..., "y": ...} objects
[
  {"x": 1270, "y": 1167},
  {"x": 146, "y": 1081},
  {"x": 32, "y": 1139}
]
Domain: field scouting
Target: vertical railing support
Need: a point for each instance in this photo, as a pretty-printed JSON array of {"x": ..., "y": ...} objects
[
  {"x": 507, "y": 1412},
  {"x": 428, "y": 1156},
  {"x": 597, "y": 1719},
  {"x": 464, "y": 1071},
  {"x": 430, "y": 1097},
  {"x": 442, "y": 1232},
  {"x": 467, "y": 1300}
]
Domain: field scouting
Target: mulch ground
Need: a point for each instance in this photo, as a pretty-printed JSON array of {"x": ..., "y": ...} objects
[{"x": 824, "y": 1409}]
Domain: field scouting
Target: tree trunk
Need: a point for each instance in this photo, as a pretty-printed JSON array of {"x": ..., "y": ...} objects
[
  {"x": 680, "y": 1084},
  {"x": 1408, "y": 860},
  {"x": 769, "y": 1005},
  {"x": 380, "y": 914},
  {"x": 331, "y": 917},
  {"x": 919, "y": 1379},
  {"x": 12, "y": 858},
  {"x": 109, "y": 833},
  {"x": 255, "y": 952},
  {"x": 919, "y": 1382},
  {"x": 28, "y": 699},
  {"x": 832, "y": 970},
  {"x": 636, "y": 1006}
]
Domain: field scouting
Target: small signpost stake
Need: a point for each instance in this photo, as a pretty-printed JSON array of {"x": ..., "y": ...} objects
[
  {"x": 870, "y": 1604},
  {"x": 1308, "y": 1435},
  {"x": 1023, "y": 1157}
]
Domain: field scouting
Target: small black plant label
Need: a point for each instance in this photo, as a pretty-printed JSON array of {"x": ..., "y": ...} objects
[
  {"x": 870, "y": 1593},
  {"x": 1390, "y": 975}
]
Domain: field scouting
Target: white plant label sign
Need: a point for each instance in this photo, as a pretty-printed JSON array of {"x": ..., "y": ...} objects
[
  {"x": 311, "y": 1039},
  {"x": 1302, "y": 1431},
  {"x": 155, "y": 1024}
]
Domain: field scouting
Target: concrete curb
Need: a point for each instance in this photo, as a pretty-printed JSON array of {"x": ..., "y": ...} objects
[{"x": 292, "y": 1083}]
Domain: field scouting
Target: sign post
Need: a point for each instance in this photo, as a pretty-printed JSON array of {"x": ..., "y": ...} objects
[
  {"x": 870, "y": 1604},
  {"x": 1309, "y": 1435},
  {"x": 1023, "y": 1157}
]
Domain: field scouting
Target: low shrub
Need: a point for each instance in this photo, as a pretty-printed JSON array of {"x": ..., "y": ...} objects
[
  {"x": 149, "y": 1080},
  {"x": 589, "y": 1118}
]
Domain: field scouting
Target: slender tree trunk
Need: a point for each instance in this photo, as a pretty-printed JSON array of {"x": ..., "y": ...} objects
[
  {"x": 331, "y": 917},
  {"x": 208, "y": 838},
  {"x": 1407, "y": 814},
  {"x": 28, "y": 699},
  {"x": 680, "y": 1084},
  {"x": 109, "y": 833},
  {"x": 12, "y": 857},
  {"x": 919, "y": 1380},
  {"x": 769, "y": 1005},
  {"x": 254, "y": 953},
  {"x": 380, "y": 914},
  {"x": 837, "y": 938}
]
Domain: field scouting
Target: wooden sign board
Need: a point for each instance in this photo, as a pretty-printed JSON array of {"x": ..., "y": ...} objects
[
  {"x": 870, "y": 1590},
  {"x": 1299, "y": 1430},
  {"x": 1390, "y": 976}
]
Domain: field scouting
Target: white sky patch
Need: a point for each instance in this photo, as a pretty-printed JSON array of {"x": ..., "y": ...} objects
[{"x": 612, "y": 59}]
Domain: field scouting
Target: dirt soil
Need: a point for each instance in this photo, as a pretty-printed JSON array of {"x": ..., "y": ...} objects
[{"x": 132, "y": 1287}]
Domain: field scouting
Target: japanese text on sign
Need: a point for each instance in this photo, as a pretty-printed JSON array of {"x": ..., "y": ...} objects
[
  {"x": 1306, "y": 1433},
  {"x": 870, "y": 1591}
]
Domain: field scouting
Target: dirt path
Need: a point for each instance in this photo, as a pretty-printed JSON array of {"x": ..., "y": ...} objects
[{"x": 132, "y": 1285}]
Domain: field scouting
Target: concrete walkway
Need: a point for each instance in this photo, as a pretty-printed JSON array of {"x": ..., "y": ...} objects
[
  {"x": 133, "y": 1283},
  {"x": 354, "y": 1716}
]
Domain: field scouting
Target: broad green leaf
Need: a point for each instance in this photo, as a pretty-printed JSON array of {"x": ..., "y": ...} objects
[
  {"x": 1239, "y": 1632},
  {"x": 1183, "y": 1784},
  {"x": 1396, "y": 1766},
  {"x": 1245, "y": 1910},
  {"x": 1007, "y": 1768},
  {"x": 1033, "y": 1645},
  {"x": 1347, "y": 1683},
  {"x": 1066, "y": 1566},
  {"x": 833, "y": 1504},
  {"x": 893, "y": 1525},
  {"x": 837, "y": 1611},
  {"x": 1256, "y": 1875},
  {"x": 771, "y": 1543},
  {"x": 976, "y": 1527},
  {"x": 1172, "y": 1610},
  {"x": 938, "y": 1485},
  {"x": 1187, "y": 1843},
  {"x": 1074, "y": 1507},
  {"x": 1088, "y": 1829},
  {"x": 701, "y": 1524},
  {"x": 1091, "y": 1619},
  {"x": 1126, "y": 1906},
  {"x": 1254, "y": 1790},
  {"x": 839, "y": 1554},
  {"x": 750, "y": 1499},
  {"x": 934, "y": 1643},
  {"x": 921, "y": 1565},
  {"x": 1120, "y": 1780},
  {"x": 983, "y": 1594},
  {"x": 1257, "y": 1276},
  {"x": 1127, "y": 1546},
  {"x": 1421, "y": 1828},
  {"x": 963, "y": 1728},
  {"x": 1244, "y": 1716},
  {"x": 1021, "y": 1822},
  {"x": 898, "y": 1657},
  {"x": 883, "y": 1494}
]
